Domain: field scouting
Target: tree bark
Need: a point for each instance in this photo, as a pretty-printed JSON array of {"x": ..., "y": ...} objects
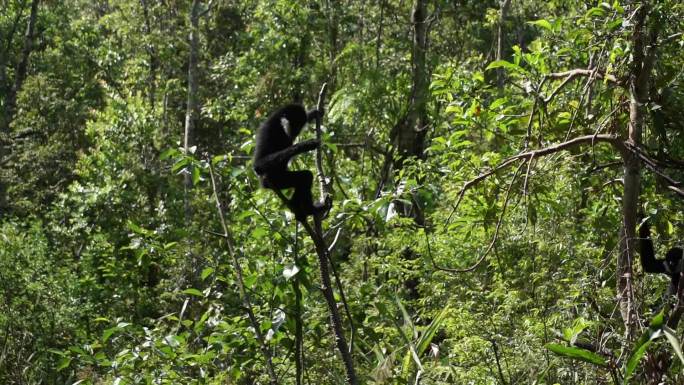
[
  {"x": 410, "y": 135},
  {"x": 22, "y": 67},
  {"x": 642, "y": 64},
  {"x": 499, "y": 43},
  {"x": 7, "y": 39},
  {"x": 11, "y": 98}
]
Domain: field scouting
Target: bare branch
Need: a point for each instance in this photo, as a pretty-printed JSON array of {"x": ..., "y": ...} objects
[
  {"x": 571, "y": 74},
  {"x": 244, "y": 295},
  {"x": 652, "y": 165},
  {"x": 325, "y": 185},
  {"x": 496, "y": 230},
  {"x": 606, "y": 138},
  {"x": 677, "y": 190}
]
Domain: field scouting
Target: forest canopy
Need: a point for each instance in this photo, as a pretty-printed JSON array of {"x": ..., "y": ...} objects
[{"x": 485, "y": 192}]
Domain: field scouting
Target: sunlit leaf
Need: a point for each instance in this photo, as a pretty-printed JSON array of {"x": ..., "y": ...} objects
[{"x": 578, "y": 354}]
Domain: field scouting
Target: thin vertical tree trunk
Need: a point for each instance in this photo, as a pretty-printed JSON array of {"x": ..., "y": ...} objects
[
  {"x": 191, "y": 108},
  {"x": 299, "y": 324},
  {"x": 11, "y": 98},
  {"x": 7, "y": 39},
  {"x": 643, "y": 57},
  {"x": 154, "y": 62},
  {"x": 499, "y": 43},
  {"x": 333, "y": 32},
  {"x": 378, "y": 39},
  {"x": 22, "y": 68},
  {"x": 410, "y": 136}
]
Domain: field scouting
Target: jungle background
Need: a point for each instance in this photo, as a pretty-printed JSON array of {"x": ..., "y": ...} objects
[{"x": 490, "y": 163}]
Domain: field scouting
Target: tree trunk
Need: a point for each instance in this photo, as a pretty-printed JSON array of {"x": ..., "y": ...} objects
[
  {"x": 154, "y": 62},
  {"x": 191, "y": 108},
  {"x": 22, "y": 67},
  {"x": 11, "y": 98},
  {"x": 642, "y": 64},
  {"x": 410, "y": 135},
  {"x": 499, "y": 43}
]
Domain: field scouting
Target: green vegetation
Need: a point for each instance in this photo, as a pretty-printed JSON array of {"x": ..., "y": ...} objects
[{"x": 490, "y": 163}]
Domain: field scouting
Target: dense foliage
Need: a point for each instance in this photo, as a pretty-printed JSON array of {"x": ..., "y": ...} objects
[{"x": 490, "y": 162}]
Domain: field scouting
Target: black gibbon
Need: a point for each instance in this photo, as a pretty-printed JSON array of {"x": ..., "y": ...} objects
[
  {"x": 275, "y": 148},
  {"x": 669, "y": 266}
]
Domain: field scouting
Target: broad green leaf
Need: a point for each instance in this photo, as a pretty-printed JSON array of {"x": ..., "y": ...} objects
[
  {"x": 63, "y": 363},
  {"x": 541, "y": 23},
  {"x": 194, "y": 292},
  {"x": 180, "y": 164},
  {"x": 170, "y": 153},
  {"x": 634, "y": 360},
  {"x": 578, "y": 354},
  {"x": 596, "y": 11},
  {"x": 651, "y": 333},
  {"x": 219, "y": 158},
  {"x": 196, "y": 175},
  {"x": 430, "y": 331},
  {"x": 200, "y": 323},
  {"x": 206, "y": 272},
  {"x": 58, "y": 352},
  {"x": 108, "y": 333},
  {"x": 502, "y": 63},
  {"x": 674, "y": 341}
]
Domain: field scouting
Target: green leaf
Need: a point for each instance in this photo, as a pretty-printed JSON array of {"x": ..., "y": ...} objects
[
  {"x": 194, "y": 292},
  {"x": 137, "y": 229},
  {"x": 180, "y": 164},
  {"x": 78, "y": 350},
  {"x": 674, "y": 341},
  {"x": 653, "y": 331},
  {"x": 108, "y": 333},
  {"x": 541, "y": 23},
  {"x": 596, "y": 11},
  {"x": 58, "y": 352},
  {"x": 218, "y": 158},
  {"x": 430, "y": 331},
  {"x": 634, "y": 360},
  {"x": 500, "y": 63},
  {"x": 206, "y": 272},
  {"x": 196, "y": 176},
  {"x": 506, "y": 65},
  {"x": 170, "y": 153},
  {"x": 578, "y": 354},
  {"x": 200, "y": 323},
  {"x": 250, "y": 280},
  {"x": 63, "y": 363}
]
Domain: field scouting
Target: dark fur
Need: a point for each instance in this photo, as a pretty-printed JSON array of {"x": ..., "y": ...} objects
[
  {"x": 670, "y": 266},
  {"x": 274, "y": 149}
]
